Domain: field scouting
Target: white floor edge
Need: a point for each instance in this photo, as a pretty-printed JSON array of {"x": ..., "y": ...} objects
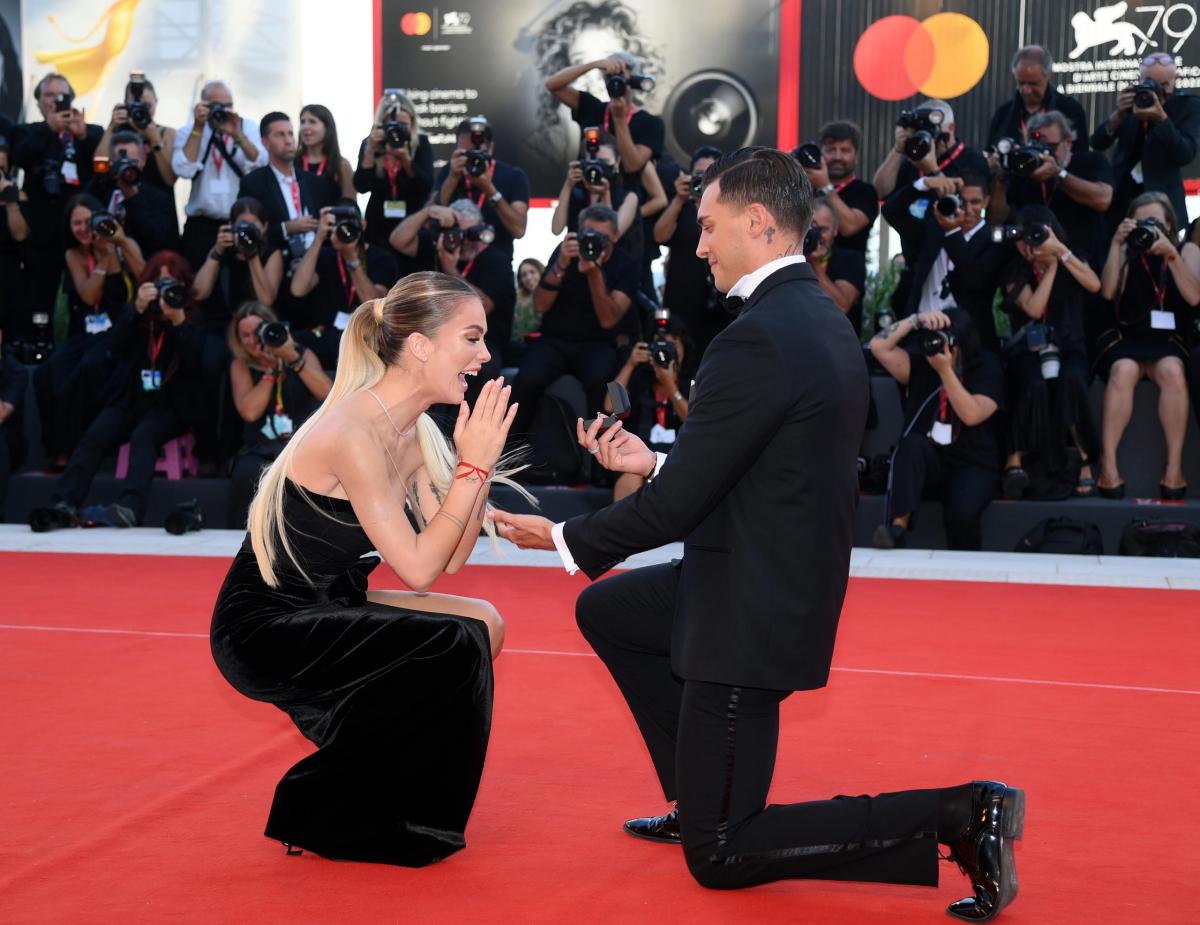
[{"x": 911, "y": 564}]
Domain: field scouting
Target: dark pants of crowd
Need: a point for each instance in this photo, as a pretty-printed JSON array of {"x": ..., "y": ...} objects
[
  {"x": 45, "y": 265},
  {"x": 13, "y": 448},
  {"x": 593, "y": 363},
  {"x": 1045, "y": 410},
  {"x": 113, "y": 426},
  {"x": 243, "y": 480},
  {"x": 71, "y": 387},
  {"x": 922, "y": 469},
  {"x": 714, "y": 746},
  {"x": 199, "y": 236}
]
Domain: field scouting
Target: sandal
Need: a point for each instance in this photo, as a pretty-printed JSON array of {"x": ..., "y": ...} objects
[
  {"x": 1167, "y": 493},
  {"x": 1115, "y": 493},
  {"x": 1014, "y": 483},
  {"x": 1085, "y": 487}
]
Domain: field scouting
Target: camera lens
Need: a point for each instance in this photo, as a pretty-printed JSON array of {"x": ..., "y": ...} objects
[
  {"x": 918, "y": 145},
  {"x": 949, "y": 206},
  {"x": 272, "y": 334},
  {"x": 808, "y": 154}
]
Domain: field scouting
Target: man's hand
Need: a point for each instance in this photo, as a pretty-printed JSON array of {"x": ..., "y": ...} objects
[
  {"x": 302, "y": 225},
  {"x": 77, "y": 123},
  {"x": 525, "y": 531},
  {"x": 818, "y": 176},
  {"x": 1125, "y": 102},
  {"x": 200, "y": 117},
  {"x": 6, "y": 410},
  {"x": 619, "y": 108},
  {"x": 120, "y": 117},
  {"x": 943, "y": 185},
  {"x": 612, "y": 66},
  {"x": 949, "y": 222},
  {"x": 1152, "y": 114},
  {"x": 683, "y": 187},
  {"x": 447, "y": 260},
  {"x": 943, "y": 362},
  {"x": 325, "y": 226},
  {"x": 900, "y": 135},
  {"x": 569, "y": 251},
  {"x": 458, "y": 162},
  {"x": 444, "y": 215},
  {"x": 616, "y": 449},
  {"x": 668, "y": 377},
  {"x": 591, "y": 266},
  {"x": 1046, "y": 170}
]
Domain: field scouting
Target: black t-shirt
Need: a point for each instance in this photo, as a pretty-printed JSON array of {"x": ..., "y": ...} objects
[
  {"x": 645, "y": 410},
  {"x": 335, "y": 290},
  {"x": 1084, "y": 226},
  {"x": 644, "y": 128},
  {"x": 509, "y": 180},
  {"x": 858, "y": 194},
  {"x": 851, "y": 266},
  {"x": 959, "y": 160},
  {"x": 233, "y": 287},
  {"x": 573, "y": 318},
  {"x": 1064, "y": 312},
  {"x": 689, "y": 292},
  {"x": 412, "y": 192},
  {"x": 631, "y": 240},
  {"x": 39, "y": 152},
  {"x": 490, "y": 271},
  {"x": 972, "y": 446}
]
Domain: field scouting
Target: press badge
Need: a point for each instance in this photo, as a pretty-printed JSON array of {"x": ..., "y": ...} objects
[
  {"x": 151, "y": 380},
  {"x": 97, "y": 324},
  {"x": 660, "y": 434},
  {"x": 342, "y": 319},
  {"x": 918, "y": 207},
  {"x": 942, "y": 433},
  {"x": 1162, "y": 321},
  {"x": 70, "y": 173},
  {"x": 277, "y": 427},
  {"x": 395, "y": 208}
]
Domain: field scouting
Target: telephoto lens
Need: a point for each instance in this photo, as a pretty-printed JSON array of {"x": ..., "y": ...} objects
[
  {"x": 139, "y": 115},
  {"x": 273, "y": 334},
  {"x": 452, "y": 238},
  {"x": 595, "y": 172},
  {"x": 395, "y": 134},
  {"x": 592, "y": 245},
  {"x": 1036, "y": 233},
  {"x": 104, "y": 224},
  {"x": 247, "y": 238},
  {"x": 931, "y": 343},
  {"x": 918, "y": 145},
  {"x": 1143, "y": 235},
  {"x": 1051, "y": 361},
  {"x": 173, "y": 294},
  {"x": 616, "y": 85},
  {"x": 808, "y": 154},
  {"x": 348, "y": 227},
  {"x": 949, "y": 205}
]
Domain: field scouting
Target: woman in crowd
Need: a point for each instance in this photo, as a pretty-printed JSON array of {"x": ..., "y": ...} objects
[
  {"x": 275, "y": 390},
  {"x": 949, "y": 448},
  {"x": 394, "y": 687},
  {"x": 525, "y": 316},
  {"x": 236, "y": 272},
  {"x": 154, "y": 394},
  {"x": 1153, "y": 294},
  {"x": 101, "y": 266},
  {"x": 397, "y": 172},
  {"x": 658, "y": 396},
  {"x": 1046, "y": 290},
  {"x": 321, "y": 155}
]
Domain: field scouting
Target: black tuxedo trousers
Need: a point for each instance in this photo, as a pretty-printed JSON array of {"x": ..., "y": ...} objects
[{"x": 713, "y": 747}]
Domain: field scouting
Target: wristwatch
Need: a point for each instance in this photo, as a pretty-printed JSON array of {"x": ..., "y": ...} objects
[
  {"x": 1062, "y": 173},
  {"x": 827, "y": 189},
  {"x": 496, "y": 196},
  {"x": 353, "y": 265}
]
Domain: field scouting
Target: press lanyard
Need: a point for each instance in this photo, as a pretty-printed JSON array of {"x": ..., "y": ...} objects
[
  {"x": 295, "y": 189},
  {"x": 841, "y": 186},
  {"x": 608, "y": 115},
  {"x": 91, "y": 270},
  {"x": 1160, "y": 292},
  {"x": 491, "y": 173},
  {"x": 218, "y": 160},
  {"x": 347, "y": 282},
  {"x": 467, "y": 269},
  {"x": 320, "y": 167},
  {"x": 393, "y": 169},
  {"x": 279, "y": 395},
  {"x": 952, "y": 156},
  {"x": 943, "y": 402},
  {"x": 156, "y": 348}
]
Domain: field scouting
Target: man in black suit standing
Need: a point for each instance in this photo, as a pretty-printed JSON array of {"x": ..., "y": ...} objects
[
  {"x": 761, "y": 486},
  {"x": 293, "y": 199}
]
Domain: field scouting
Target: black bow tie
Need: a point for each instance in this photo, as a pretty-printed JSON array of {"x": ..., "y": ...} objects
[{"x": 734, "y": 304}]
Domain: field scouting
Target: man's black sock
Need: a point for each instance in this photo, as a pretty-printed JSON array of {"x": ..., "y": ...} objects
[{"x": 954, "y": 812}]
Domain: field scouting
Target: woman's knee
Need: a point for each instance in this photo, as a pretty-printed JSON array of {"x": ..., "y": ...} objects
[
  {"x": 486, "y": 613},
  {"x": 1170, "y": 375},
  {"x": 1124, "y": 375}
]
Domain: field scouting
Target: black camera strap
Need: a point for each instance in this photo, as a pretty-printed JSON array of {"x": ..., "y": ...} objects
[
  {"x": 887, "y": 500},
  {"x": 214, "y": 141}
]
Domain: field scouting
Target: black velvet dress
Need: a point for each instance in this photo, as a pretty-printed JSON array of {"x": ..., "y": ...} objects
[{"x": 398, "y": 701}]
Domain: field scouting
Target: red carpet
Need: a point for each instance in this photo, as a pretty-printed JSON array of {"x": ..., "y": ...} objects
[{"x": 134, "y": 783}]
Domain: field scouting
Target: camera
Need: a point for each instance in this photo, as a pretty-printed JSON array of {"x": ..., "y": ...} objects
[
  {"x": 1039, "y": 339},
  {"x": 808, "y": 154},
  {"x": 812, "y": 239},
  {"x": 1146, "y": 92},
  {"x": 949, "y": 205},
  {"x": 139, "y": 112},
  {"x": 218, "y": 115},
  {"x": 38, "y": 347},
  {"x": 186, "y": 517},
  {"x": 453, "y": 237},
  {"x": 1021, "y": 160},
  {"x": 592, "y": 244},
  {"x": 1033, "y": 234},
  {"x": 63, "y": 102},
  {"x": 697, "y": 185},
  {"x": 595, "y": 171},
  {"x": 479, "y": 158},
  {"x": 348, "y": 227},
  {"x": 662, "y": 351},
  {"x": 11, "y": 193},
  {"x": 171, "y": 293},
  {"x": 272, "y": 334},
  {"x": 104, "y": 224},
  {"x": 932, "y": 343},
  {"x": 926, "y": 128},
  {"x": 396, "y": 134},
  {"x": 247, "y": 238},
  {"x": 1144, "y": 234},
  {"x": 884, "y": 318},
  {"x": 617, "y": 85},
  {"x": 126, "y": 171}
]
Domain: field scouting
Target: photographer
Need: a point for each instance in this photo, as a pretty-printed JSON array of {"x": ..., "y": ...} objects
[
  {"x": 456, "y": 241},
  {"x": 1047, "y": 287},
  {"x": 153, "y": 397},
  {"x": 500, "y": 190},
  {"x": 1156, "y": 129},
  {"x": 395, "y": 166},
  {"x": 952, "y": 390},
  {"x": 241, "y": 266},
  {"x": 854, "y": 202},
  {"x": 601, "y": 185},
  {"x": 937, "y": 151},
  {"x": 292, "y": 198},
  {"x": 584, "y": 299},
  {"x": 275, "y": 389},
  {"x": 840, "y": 273},
  {"x": 689, "y": 289},
  {"x": 639, "y": 134},
  {"x": 14, "y": 379},
  {"x": 214, "y": 152},
  {"x": 320, "y": 154},
  {"x": 1074, "y": 186},
  {"x": 146, "y": 211},
  {"x": 1153, "y": 295},
  {"x": 56, "y": 156},
  {"x": 14, "y": 230},
  {"x": 951, "y": 259},
  {"x": 136, "y": 115},
  {"x": 1032, "y": 68},
  {"x": 338, "y": 273},
  {"x": 658, "y": 395}
]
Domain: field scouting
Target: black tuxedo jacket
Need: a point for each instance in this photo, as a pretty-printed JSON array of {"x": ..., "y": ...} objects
[
  {"x": 978, "y": 263},
  {"x": 761, "y": 485},
  {"x": 262, "y": 185}
]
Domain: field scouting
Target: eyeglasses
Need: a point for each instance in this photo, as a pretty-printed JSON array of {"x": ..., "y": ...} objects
[{"x": 1158, "y": 57}]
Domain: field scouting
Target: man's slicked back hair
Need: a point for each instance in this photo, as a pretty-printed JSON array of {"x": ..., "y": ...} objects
[{"x": 772, "y": 178}]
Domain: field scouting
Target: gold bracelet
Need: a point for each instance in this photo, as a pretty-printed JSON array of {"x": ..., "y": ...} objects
[{"x": 451, "y": 517}]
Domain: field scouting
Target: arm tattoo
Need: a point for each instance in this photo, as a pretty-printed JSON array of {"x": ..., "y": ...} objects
[
  {"x": 436, "y": 493},
  {"x": 770, "y": 233}
]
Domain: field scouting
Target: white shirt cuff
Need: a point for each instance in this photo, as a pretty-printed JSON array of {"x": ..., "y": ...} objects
[
  {"x": 564, "y": 552},
  {"x": 953, "y": 231},
  {"x": 920, "y": 184},
  {"x": 658, "y": 463}
]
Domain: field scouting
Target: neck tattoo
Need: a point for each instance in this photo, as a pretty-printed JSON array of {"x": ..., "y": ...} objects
[{"x": 391, "y": 420}]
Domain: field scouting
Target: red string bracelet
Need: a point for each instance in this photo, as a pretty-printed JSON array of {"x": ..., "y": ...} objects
[{"x": 483, "y": 474}]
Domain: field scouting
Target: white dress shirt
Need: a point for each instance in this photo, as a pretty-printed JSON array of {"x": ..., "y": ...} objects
[
  {"x": 932, "y": 298},
  {"x": 286, "y": 183},
  {"x": 214, "y": 183},
  {"x": 743, "y": 288}
]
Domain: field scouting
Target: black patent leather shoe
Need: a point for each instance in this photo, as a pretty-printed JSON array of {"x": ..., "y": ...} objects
[
  {"x": 984, "y": 850},
  {"x": 663, "y": 829}
]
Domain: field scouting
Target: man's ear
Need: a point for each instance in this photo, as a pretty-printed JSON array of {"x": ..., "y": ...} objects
[{"x": 757, "y": 219}]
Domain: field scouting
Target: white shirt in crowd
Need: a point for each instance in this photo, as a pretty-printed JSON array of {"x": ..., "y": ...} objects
[
  {"x": 935, "y": 293},
  {"x": 214, "y": 183},
  {"x": 288, "y": 188}
]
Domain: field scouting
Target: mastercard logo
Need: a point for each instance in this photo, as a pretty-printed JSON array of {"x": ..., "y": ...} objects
[
  {"x": 943, "y": 56},
  {"x": 415, "y": 23}
]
